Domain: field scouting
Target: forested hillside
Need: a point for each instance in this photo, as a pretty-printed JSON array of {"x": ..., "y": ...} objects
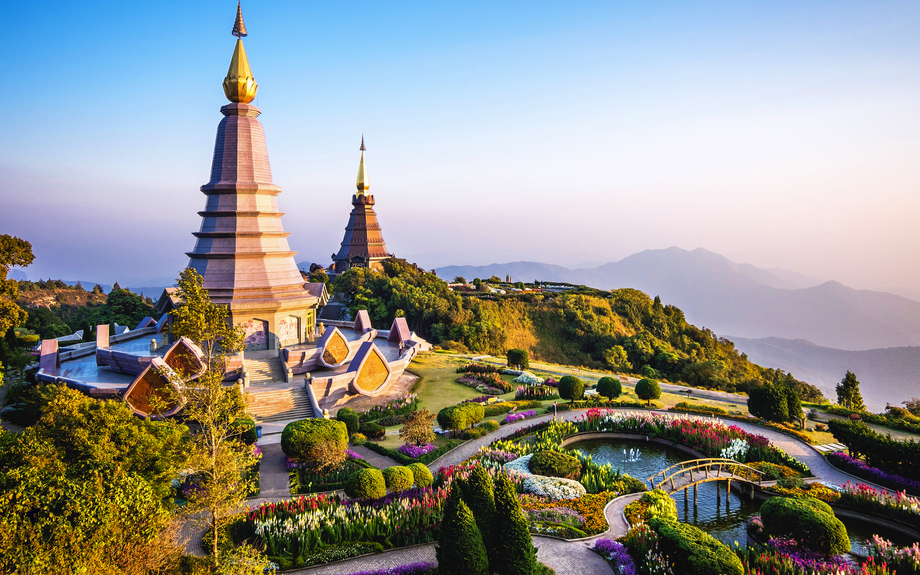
[{"x": 622, "y": 330}]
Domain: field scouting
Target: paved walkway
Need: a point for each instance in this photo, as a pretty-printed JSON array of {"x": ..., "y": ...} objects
[
  {"x": 273, "y": 477},
  {"x": 374, "y": 458}
]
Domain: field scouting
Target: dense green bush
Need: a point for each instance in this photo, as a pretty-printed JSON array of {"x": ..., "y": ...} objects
[
  {"x": 21, "y": 414},
  {"x": 358, "y": 439},
  {"x": 515, "y": 553},
  {"x": 571, "y": 388},
  {"x": 809, "y": 521},
  {"x": 372, "y": 430},
  {"x": 367, "y": 484},
  {"x": 648, "y": 389},
  {"x": 778, "y": 403},
  {"x": 247, "y": 430},
  {"x": 474, "y": 433},
  {"x": 398, "y": 478},
  {"x": 517, "y": 358},
  {"x": 479, "y": 495},
  {"x": 299, "y": 437},
  {"x": 660, "y": 505},
  {"x": 497, "y": 408},
  {"x": 461, "y": 416},
  {"x": 489, "y": 425},
  {"x": 460, "y": 549},
  {"x": 609, "y": 387},
  {"x": 348, "y": 416},
  {"x": 421, "y": 474},
  {"x": 882, "y": 451},
  {"x": 697, "y": 552},
  {"x": 555, "y": 464}
]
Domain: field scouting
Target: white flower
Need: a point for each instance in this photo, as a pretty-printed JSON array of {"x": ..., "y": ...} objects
[
  {"x": 556, "y": 488},
  {"x": 528, "y": 378}
]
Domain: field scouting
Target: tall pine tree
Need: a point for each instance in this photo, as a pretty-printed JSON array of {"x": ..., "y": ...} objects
[
  {"x": 478, "y": 495},
  {"x": 460, "y": 550},
  {"x": 516, "y": 553},
  {"x": 848, "y": 395}
]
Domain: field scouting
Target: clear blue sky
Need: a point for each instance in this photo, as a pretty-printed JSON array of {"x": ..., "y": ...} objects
[{"x": 780, "y": 134}]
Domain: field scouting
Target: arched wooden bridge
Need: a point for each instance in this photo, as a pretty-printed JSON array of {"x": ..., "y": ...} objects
[{"x": 691, "y": 473}]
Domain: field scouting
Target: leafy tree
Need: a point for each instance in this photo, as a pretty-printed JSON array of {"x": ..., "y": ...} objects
[
  {"x": 13, "y": 252},
  {"x": 609, "y": 387},
  {"x": 46, "y": 324},
  {"x": 97, "y": 289},
  {"x": 518, "y": 358},
  {"x": 494, "y": 280},
  {"x": 459, "y": 280},
  {"x": 516, "y": 554},
  {"x": 769, "y": 402},
  {"x": 648, "y": 389},
  {"x": 848, "y": 395},
  {"x": 571, "y": 388},
  {"x": 913, "y": 405},
  {"x": 417, "y": 428},
  {"x": 318, "y": 276},
  {"x": 479, "y": 495},
  {"x": 617, "y": 359},
  {"x": 87, "y": 489},
  {"x": 460, "y": 549},
  {"x": 126, "y": 308},
  {"x": 220, "y": 460}
]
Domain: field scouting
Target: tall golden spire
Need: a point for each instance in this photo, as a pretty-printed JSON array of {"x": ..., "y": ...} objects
[
  {"x": 363, "y": 182},
  {"x": 239, "y": 85}
]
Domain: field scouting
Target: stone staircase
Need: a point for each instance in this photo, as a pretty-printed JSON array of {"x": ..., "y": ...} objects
[
  {"x": 280, "y": 405},
  {"x": 264, "y": 370}
]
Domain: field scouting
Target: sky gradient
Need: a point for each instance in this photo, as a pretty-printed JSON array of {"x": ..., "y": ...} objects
[{"x": 780, "y": 134}]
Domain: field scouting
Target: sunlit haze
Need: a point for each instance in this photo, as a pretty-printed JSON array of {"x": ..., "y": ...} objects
[{"x": 781, "y": 134}]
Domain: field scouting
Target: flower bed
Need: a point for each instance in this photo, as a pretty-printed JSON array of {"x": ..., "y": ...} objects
[
  {"x": 420, "y": 568},
  {"x": 519, "y": 415},
  {"x": 860, "y": 469},
  {"x": 415, "y": 451},
  {"x": 616, "y": 554},
  {"x": 897, "y": 505},
  {"x": 485, "y": 381},
  {"x": 528, "y": 378},
  {"x": 814, "y": 490},
  {"x": 390, "y": 413},
  {"x": 299, "y": 527},
  {"x": 537, "y": 392},
  {"x": 305, "y": 481},
  {"x": 590, "y": 507},
  {"x": 762, "y": 560},
  {"x": 406, "y": 460},
  {"x": 902, "y": 559},
  {"x": 556, "y": 488},
  {"x": 479, "y": 368},
  {"x": 709, "y": 437}
]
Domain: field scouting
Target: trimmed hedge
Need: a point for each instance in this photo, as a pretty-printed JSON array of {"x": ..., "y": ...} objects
[
  {"x": 367, "y": 484},
  {"x": 421, "y": 474},
  {"x": 348, "y": 416},
  {"x": 571, "y": 388},
  {"x": 398, "y": 478},
  {"x": 880, "y": 451},
  {"x": 497, "y": 408},
  {"x": 696, "y": 551},
  {"x": 648, "y": 389},
  {"x": 298, "y": 437},
  {"x": 809, "y": 521},
  {"x": 489, "y": 425},
  {"x": 555, "y": 464},
  {"x": 461, "y": 416},
  {"x": 517, "y": 358},
  {"x": 373, "y": 430},
  {"x": 609, "y": 387}
]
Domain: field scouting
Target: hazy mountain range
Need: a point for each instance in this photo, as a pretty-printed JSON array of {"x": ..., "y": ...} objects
[
  {"x": 740, "y": 299},
  {"x": 889, "y": 375}
]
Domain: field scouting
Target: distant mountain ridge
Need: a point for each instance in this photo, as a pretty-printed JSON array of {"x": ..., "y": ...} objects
[
  {"x": 740, "y": 299},
  {"x": 889, "y": 375}
]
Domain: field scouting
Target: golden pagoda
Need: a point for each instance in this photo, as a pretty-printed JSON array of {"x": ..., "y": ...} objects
[{"x": 239, "y": 85}]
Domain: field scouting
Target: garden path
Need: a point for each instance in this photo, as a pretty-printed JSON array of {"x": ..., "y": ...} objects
[
  {"x": 385, "y": 560},
  {"x": 273, "y": 477},
  {"x": 377, "y": 460}
]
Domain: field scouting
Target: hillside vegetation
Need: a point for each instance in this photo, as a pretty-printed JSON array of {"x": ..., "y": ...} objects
[{"x": 622, "y": 330}]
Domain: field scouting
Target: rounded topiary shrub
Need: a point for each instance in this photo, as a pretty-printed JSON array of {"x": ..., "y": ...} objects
[
  {"x": 300, "y": 438},
  {"x": 348, "y": 416},
  {"x": 422, "y": 475},
  {"x": 696, "y": 551},
  {"x": 358, "y": 439},
  {"x": 571, "y": 388},
  {"x": 648, "y": 389},
  {"x": 489, "y": 425},
  {"x": 518, "y": 358},
  {"x": 246, "y": 427},
  {"x": 373, "y": 430},
  {"x": 555, "y": 464},
  {"x": 609, "y": 387},
  {"x": 809, "y": 521},
  {"x": 398, "y": 478},
  {"x": 367, "y": 484}
]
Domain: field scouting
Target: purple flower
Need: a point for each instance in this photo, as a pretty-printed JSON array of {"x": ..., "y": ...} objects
[
  {"x": 290, "y": 464},
  {"x": 517, "y": 416},
  {"x": 415, "y": 451},
  {"x": 616, "y": 554},
  {"x": 861, "y": 469},
  {"x": 352, "y": 455},
  {"x": 419, "y": 568}
]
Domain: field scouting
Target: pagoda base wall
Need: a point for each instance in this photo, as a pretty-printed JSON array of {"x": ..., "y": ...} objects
[{"x": 268, "y": 329}]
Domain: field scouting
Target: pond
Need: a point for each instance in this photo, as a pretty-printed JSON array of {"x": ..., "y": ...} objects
[{"x": 721, "y": 514}]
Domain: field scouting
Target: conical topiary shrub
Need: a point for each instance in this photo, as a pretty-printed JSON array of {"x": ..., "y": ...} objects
[
  {"x": 460, "y": 550},
  {"x": 478, "y": 494},
  {"x": 516, "y": 553}
]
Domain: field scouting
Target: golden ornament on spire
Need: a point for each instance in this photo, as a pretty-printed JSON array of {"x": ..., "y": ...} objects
[
  {"x": 239, "y": 29},
  {"x": 239, "y": 85},
  {"x": 363, "y": 182}
]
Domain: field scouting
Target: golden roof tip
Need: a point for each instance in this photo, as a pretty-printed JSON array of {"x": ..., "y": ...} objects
[
  {"x": 239, "y": 29},
  {"x": 363, "y": 183}
]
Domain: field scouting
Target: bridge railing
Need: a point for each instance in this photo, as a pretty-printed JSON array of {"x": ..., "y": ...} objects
[{"x": 735, "y": 469}]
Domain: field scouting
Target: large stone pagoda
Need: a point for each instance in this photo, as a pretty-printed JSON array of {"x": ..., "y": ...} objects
[
  {"x": 363, "y": 244},
  {"x": 242, "y": 250}
]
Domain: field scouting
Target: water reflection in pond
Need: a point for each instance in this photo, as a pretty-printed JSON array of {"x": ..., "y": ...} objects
[{"x": 721, "y": 514}]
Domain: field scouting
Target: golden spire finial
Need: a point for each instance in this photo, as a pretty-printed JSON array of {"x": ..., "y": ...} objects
[
  {"x": 363, "y": 182},
  {"x": 239, "y": 85}
]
